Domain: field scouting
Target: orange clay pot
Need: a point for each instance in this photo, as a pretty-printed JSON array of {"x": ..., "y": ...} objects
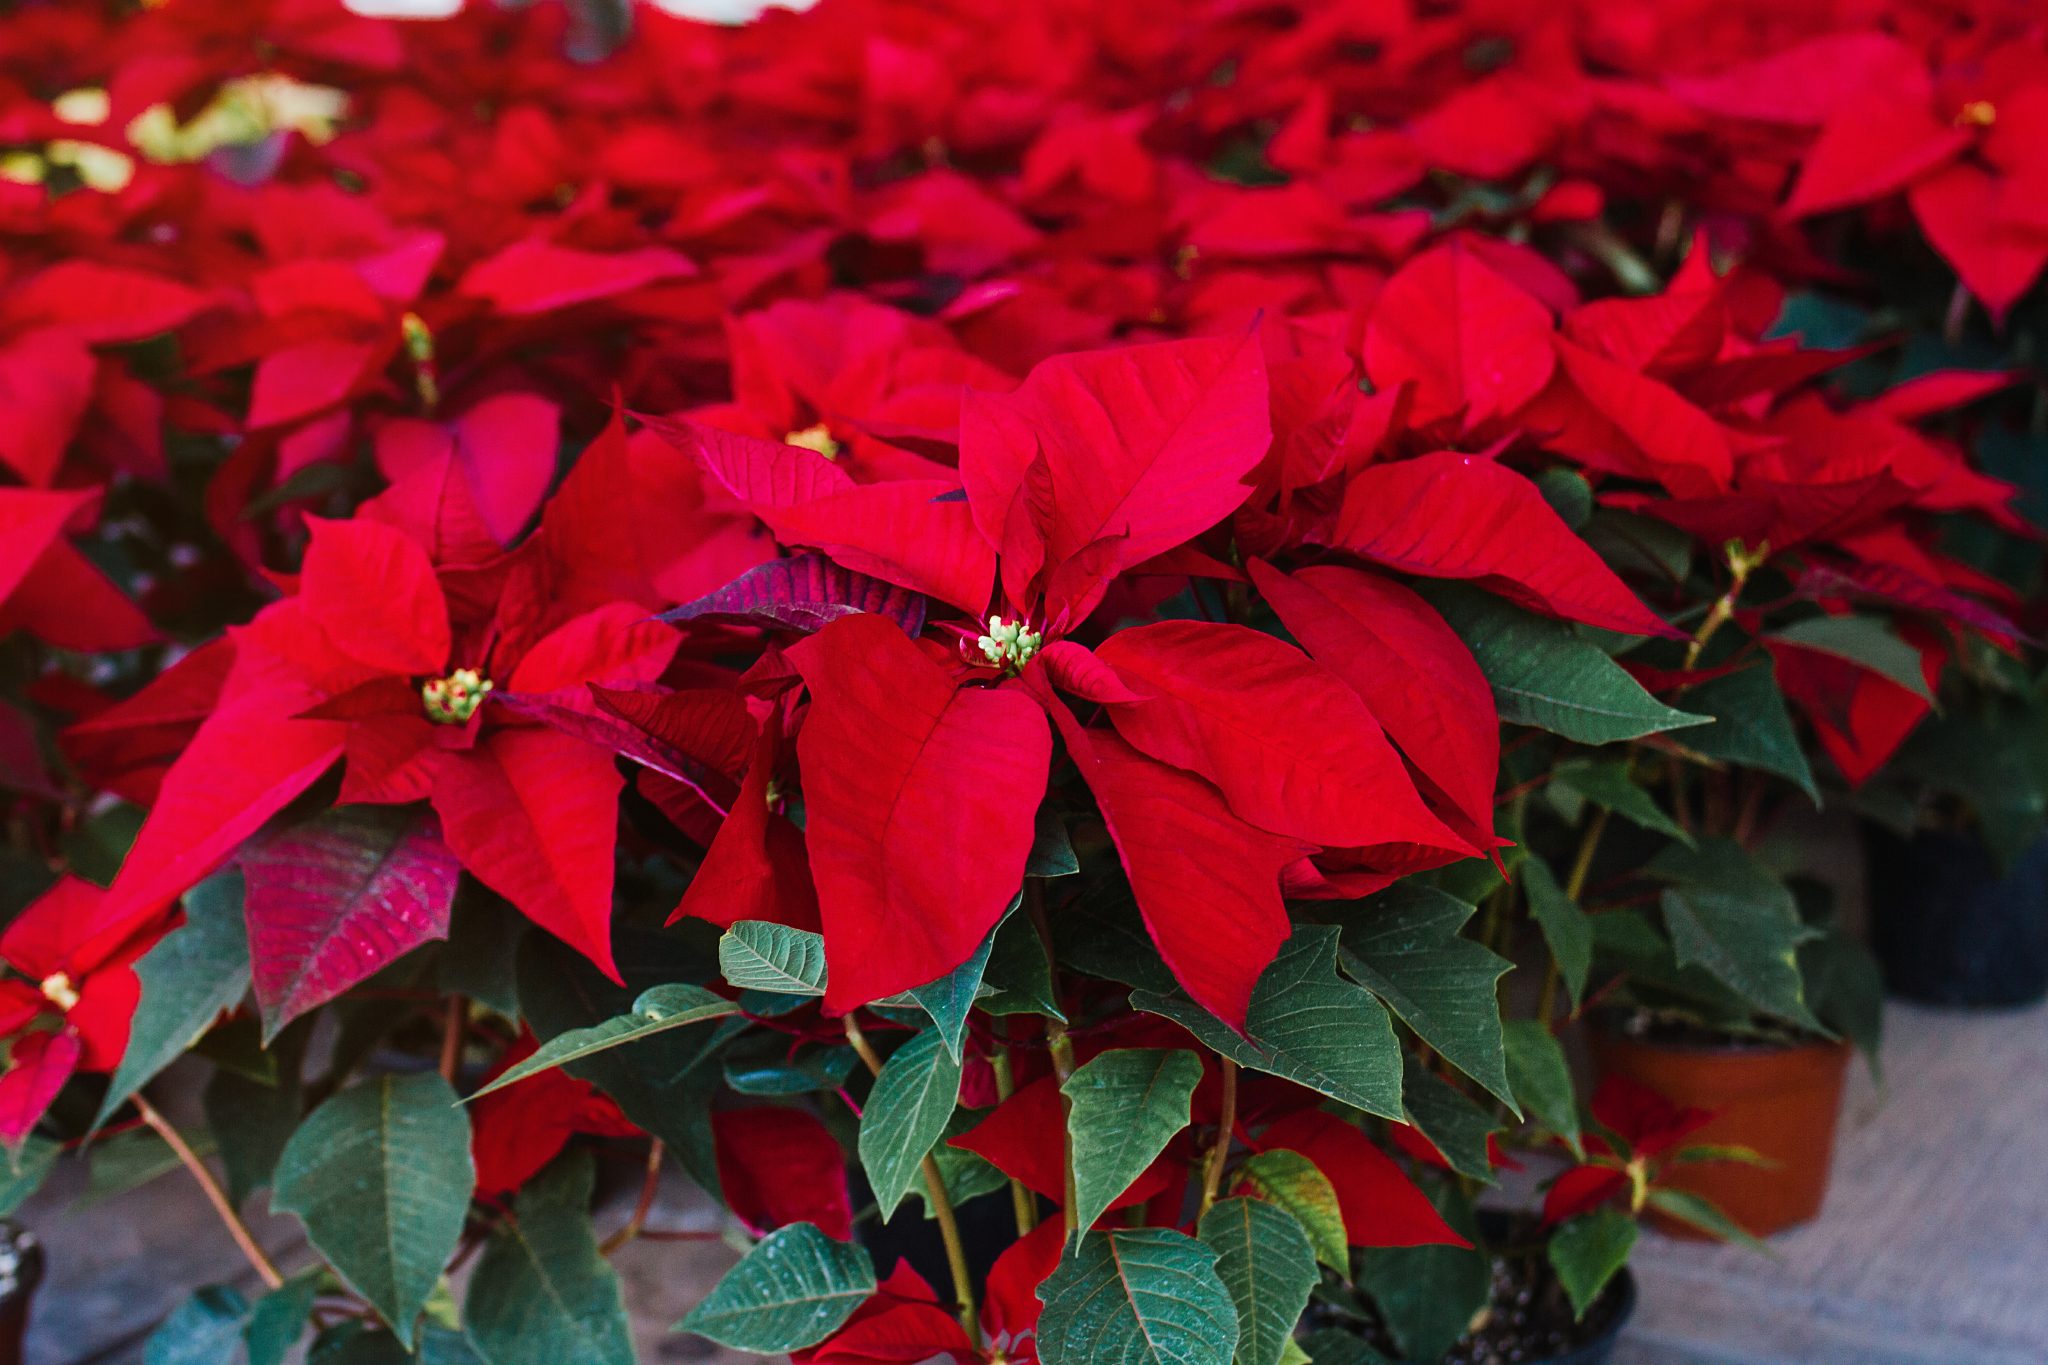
[{"x": 1780, "y": 1102}]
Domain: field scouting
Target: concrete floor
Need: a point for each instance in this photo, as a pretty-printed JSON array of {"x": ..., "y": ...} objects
[{"x": 1932, "y": 1249}]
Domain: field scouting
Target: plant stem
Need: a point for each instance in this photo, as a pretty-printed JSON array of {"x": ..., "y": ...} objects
[
  {"x": 451, "y": 1037},
  {"x": 641, "y": 1207},
  {"x": 942, "y": 1207},
  {"x": 266, "y": 1270},
  {"x": 1057, "y": 1042},
  {"x": 1021, "y": 1202},
  {"x": 1574, "y": 887},
  {"x": 1226, "y": 1126}
]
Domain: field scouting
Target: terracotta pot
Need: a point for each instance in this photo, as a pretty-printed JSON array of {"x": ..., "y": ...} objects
[{"x": 1780, "y": 1102}]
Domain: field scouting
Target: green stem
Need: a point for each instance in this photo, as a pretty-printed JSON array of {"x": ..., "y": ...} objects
[
  {"x": 942, "y": 1206},
  {"x": 1219, "y": 1152}
]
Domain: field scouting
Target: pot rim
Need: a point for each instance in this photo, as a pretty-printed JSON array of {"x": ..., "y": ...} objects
[{"x": 1605, "y": 1029}]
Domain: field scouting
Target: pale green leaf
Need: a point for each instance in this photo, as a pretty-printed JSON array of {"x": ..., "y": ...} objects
[
  {"x": 1297, "y": 1184},
  {"x": 1123, "y": 1108},
  {"x": 755, "y": 955},
  {"x": 1306, "y": 1024},
  {"x": 381, "y": 1177},
  {"x": 656, "y": 1011},
  {"x": 1264, "y": 1259},
  {"x": 543, "y": 1294},
  {"x": 907, "y": 1112},
  {"x": 1403, "y": 945},
  {"x": 1148, "y": 1296},
  {"x": 794, "y": 1289}
]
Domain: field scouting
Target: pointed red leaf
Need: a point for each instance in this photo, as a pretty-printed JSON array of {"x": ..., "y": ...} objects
[
  {"x": 919, "y": 799},
  {"x": 1470, "y": 342},
  {"x": 1025, "y": 1137},
  {"x": 1150, "y": 444},
  {"x": 371, "y": 590},
  {"x": 755, "y": 867},
  {"x": 1415, "y": 674},
  {"x": 335, "y": 900},
  {"x": 534, "y": 815},
  {"x": 67, "y": 601},
  {"x": 1292, "y": 749},
  {"x": 37, "y": 1068},
  {"x": 1381, "y": 1206},
  {"x": 914, "y": 532},
  {"x": 31, "y": 521},
  {"x": 1870, "y": 147},
  {"x": 538, "y": 276},
  {"x": 45, "y": 387},
  {"x": 1207, "y": 884},
  {"x": 1451, "y": 515}
]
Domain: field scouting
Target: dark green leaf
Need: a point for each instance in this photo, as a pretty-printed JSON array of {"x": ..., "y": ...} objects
[
  {"x": 1752, "y": 727},
  {"x": 794, "y": 1289},
  {"x": 128, "y": 1161},
  {"x": 1588, "y": 1251},
  {"x": 755, "y": 955},
  {"x": 381, "y": 1177},
  {"x": 1730, "y": 916},
  {"x": 25, "y": 1170},
  {"x": 1143, "y": 1297},
  {"x": 661, "y": 1083},
  {"x": 279, "y": 1319},
  {"x": 811, "y": 1070},
  {"x": 657, "y": 1011},
  {"x": 1264, "y": 1259},
  {"x": 1052, "y": 851},
  {"x": 1123, "y": 1108},
  {"x": 1019, "y": 980},
  {"x": 907, "y": 1112},
  {"x": 1403, "y": 945},
  {"x": 1101, "y": 935},
  {"x": 1428, "y": 1295},
  {"x": 205, "y": 1329},
  {"x": 1545, "y": 675},
  {"x": 190, "y": 976},
  {"x": 543, "y": 1294},
  {"x": 1606, "y": 782},
  {"x": 1566, "y": 929},
  {"x": 1295, "y": 1183},
  {"x": 948, "y": 999},
  {"x": 1542, "y": 1081},
  {"x": 481, "y": 958},
  {"x": 1332, "y": 1346},
  {"x": 1865, "y": 641},
  {"x": 1568, "y": 494},
  {"x": 1456, "y": 1126},
  {"x": 253, "y": 1123},
  {"x": 1306, "y": 1024},
  {"x": 1845, "y": 988}
]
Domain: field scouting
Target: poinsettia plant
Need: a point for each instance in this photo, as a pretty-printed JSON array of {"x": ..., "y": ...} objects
[{"x": 984, "y": 630}]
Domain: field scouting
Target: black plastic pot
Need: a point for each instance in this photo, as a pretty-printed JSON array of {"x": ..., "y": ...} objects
[{"x": 1949, "y": 928}]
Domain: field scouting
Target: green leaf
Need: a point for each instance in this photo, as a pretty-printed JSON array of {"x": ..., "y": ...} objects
[
  {"x": 1752, "y": 727},
  {"x": 662, "y": 1083},
  {"x": 656, "y": 1011},
  {"x": 190, "y": 976},
  {"x": 445, "y": 1346},
  {"x": 965, "y": 1175},
  {"x": 1264, "y": 1259},
  {"x": 1606, "y": 782},
  {"x": 1730, "y": 916},
  {"x": 1403, "y": 945},
  {"x": 543, "y": 1294},
  {"x": 26, "y": 1169},
  {"x": 1566, "y": 928},
  {"x": 948, "y": 999},
  {"x": 794, "y": 1289},
  {"x": 1456, "y": 1126},
  {"x": 279, "y": 1319},
  {"x": 1544, "y": 674},
  {"x": 1293, "y": 1182},
  {"x": 1123, "y": 1108},
  {"x": 128, "y": 1161},
  {"x": 381, "y": 1177},
  {"x": 1052, "y": 850},
  {"x": 1428, "y": 1295},
  {"x": 1865, "y": 641},
  {"x": 755, "y": 955},
  {"x": 1568, "y": 494},
  {"x": 811, "y": 1070},
  {"x": 1691, "y": 1209},
  {"x": 1542, "y": 1081},
  {"x": 253, "y": 1121},
  {"x": 1588, "y": 1251},
  {"x": 1334, "y": 1346},
  {"x": 907, "y": 1112},
  {"x": 1148, "y": 1296},
  {"x": 355, "y": 1343},
  {"x": 1307, "y": 1024},
  {"x": 1845, "y": 989},
  {"x": 1102, "y": 935},
  {"x": 203, "y": 1330},
  {"x": 481, "y": 957},
  {"x": 1018, "y": 979}
]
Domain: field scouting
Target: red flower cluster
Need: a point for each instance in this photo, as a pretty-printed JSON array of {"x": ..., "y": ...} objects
[{"x": 867, "y": 422}]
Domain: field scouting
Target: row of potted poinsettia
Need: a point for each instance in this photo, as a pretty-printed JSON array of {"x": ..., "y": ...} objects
[{"x": 1067, "y": 656}]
